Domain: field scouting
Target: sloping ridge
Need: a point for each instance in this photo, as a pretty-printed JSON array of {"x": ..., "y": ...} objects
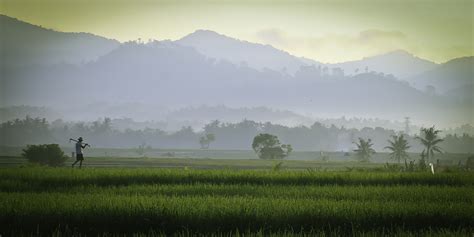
[
  {"x": 449, "y": 76},
  {"x": 27, "y": 44},
  {"x": 399, "y": 63},
  {"x": 239, "y": 52}
]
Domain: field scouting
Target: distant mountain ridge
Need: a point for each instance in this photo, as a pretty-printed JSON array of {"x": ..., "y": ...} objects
[
  {"x": 399, "y": 63},
  {"x": 456, "y": 74},
  {"x": 258, "y": 56},
  {"x": 27, "y": 44}
]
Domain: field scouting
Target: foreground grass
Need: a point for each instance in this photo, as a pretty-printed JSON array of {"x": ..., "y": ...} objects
[
  {"x": 166, "y": 202},
  {"x": 44, "y": 177}
]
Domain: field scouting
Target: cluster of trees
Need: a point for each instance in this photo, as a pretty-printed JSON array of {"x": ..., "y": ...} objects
[
  {"x": 25, "y": 131},
  {"x": 317, "y": 137},
  {"x": 267, "y": 146},
  {"x": 399, "y": 146}
]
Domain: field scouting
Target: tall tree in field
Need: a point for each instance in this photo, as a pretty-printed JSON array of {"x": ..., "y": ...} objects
[
  {"x": 398, "y": 146},
  {"x": 206, "y": 140},
  {"x": 429, "y": 138},
  {"x": 364, "y": 150},
  {"x": 268, "y": 146}
]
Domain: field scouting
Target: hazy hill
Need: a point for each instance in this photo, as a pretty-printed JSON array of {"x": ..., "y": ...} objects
[
  {"x": 25, "y": 44},
  {"x": 178, "y": 76},
  {"x": 223, "y": 113},
  {"x": 463, "y": 94},
  {"x": 399, "y": 63},
  {"x": 452, "y": 75},
  {"x": 239, "y": 52}
]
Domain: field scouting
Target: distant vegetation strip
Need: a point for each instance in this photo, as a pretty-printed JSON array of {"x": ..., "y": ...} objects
[{"x": 230, "y": 136}]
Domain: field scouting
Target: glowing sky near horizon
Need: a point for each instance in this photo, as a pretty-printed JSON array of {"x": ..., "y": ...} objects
[{"x": 327, "y": 31}]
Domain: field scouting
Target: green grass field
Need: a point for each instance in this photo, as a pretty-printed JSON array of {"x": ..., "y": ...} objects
[
  {"x": 201, "y": 163},
  {"x": 119, "y": 153},
  {"x": 121, "y": 201}
]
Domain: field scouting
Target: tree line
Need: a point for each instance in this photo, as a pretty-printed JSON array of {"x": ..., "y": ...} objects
[{"x": 216, "y": 135}]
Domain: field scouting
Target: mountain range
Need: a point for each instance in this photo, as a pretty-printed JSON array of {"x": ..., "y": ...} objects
[
  {"x": 46, "y": 67},
  {"x": 29, "y": 44}
]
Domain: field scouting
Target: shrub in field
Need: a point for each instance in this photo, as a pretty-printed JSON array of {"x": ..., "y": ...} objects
[
  {"x": 268, "y": 146},
  {"x": 142, "y": 149},
  {"x": 278, "y": 166},
  {"x": 45, "y": 154},
  {"x": 470, "y": 163},
  {"x": 422, "y": 164},
  {"x": 392, "y": 167}
]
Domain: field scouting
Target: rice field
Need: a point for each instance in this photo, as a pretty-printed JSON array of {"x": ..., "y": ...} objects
[{"x": 182, "y": 202}]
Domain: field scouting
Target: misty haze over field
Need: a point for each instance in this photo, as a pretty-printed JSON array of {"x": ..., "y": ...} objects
[{"x": 206, "y": 76}]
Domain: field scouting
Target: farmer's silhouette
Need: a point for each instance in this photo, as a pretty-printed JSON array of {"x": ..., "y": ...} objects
[{"x": 79, "y": 154}]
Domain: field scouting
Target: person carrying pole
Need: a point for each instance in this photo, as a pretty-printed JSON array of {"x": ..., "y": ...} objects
[{"x": 79, "y": 154}]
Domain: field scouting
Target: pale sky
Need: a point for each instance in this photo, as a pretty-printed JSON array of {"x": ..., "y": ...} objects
[{"x": 327, "y": 31}]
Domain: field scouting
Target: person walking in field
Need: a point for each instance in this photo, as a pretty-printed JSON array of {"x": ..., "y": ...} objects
[{"x": 79, "y": 154}]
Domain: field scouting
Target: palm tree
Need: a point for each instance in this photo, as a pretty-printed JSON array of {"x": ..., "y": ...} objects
[
  {"x": 430, "y": 140},
  {"x": 398, "y": 146},
  {"x": 364, "y": 149}
]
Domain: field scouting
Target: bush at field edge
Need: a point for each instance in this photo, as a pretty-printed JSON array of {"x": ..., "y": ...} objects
[{"x": 44, "y": 154}]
